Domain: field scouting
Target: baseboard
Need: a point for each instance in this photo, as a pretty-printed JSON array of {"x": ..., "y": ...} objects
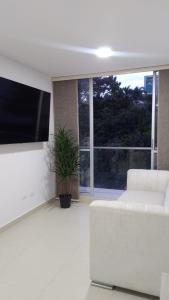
[{"x": 25, "y": 215}]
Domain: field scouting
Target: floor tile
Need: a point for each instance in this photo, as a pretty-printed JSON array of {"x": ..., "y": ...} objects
[{"x": 46, "y": 257}]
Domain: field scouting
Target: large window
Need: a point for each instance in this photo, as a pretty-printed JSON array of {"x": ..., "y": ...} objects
[
  {"x": 122, "y": 115},
  {"x": 84, "y": 134},
  {"x": 83, "y": 96},
  {"x": 117, "y": 117}
]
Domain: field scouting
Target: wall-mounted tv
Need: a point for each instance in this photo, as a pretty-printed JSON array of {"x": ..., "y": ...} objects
[{"x": 24, "y": 113}]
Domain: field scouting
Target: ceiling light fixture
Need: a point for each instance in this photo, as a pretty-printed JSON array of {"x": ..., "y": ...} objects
[{"x": 104, "y": 52}]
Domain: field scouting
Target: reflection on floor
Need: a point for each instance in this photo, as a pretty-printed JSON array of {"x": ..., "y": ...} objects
[
  {"x": 107, "y": 194},
  {"x": 46, "y": 257}
]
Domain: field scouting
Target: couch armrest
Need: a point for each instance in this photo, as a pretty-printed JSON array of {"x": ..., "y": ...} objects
[
  {"x": 147, "y": 180},
  {"x": 129, "y": 244}
]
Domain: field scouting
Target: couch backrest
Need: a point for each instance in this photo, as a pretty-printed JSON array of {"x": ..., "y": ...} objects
[
  {"x": 166, "y": 202},
  {"x": 148, "y": 180}
]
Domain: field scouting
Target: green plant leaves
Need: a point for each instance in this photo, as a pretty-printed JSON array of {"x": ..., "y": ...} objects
[{"x": 66, "y": 153}]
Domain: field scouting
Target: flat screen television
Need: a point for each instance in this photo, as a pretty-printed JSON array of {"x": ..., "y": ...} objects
[{"x": 24, "y": 113}]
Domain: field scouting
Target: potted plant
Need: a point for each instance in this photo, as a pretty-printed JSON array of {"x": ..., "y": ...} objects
[{"x": 66, "y": 163}]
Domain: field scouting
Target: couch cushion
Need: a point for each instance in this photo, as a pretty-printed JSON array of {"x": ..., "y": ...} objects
[{"x": 143, "y": 197}]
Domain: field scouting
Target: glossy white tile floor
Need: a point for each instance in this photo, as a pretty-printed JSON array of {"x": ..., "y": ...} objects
[{"x": 46, "y": 257}]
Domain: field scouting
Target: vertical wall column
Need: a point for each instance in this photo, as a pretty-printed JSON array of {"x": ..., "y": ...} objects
[
  {"x": 163, "y": 121},
  {"x": 65, "y": 95}
]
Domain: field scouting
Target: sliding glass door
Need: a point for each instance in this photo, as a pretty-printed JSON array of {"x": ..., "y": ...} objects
[
  {"x": 84, "y": 134},
  {"x": 117, "y": 117}
]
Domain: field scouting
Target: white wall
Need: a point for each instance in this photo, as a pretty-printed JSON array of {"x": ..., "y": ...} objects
[{"x": 25, "y": 180}]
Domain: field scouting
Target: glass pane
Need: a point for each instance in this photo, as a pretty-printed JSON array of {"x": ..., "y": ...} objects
[
  {"x": 156, "y": 107},
  {"x": 83, "y": 96},
  {"x": 122, "y": 110},
  {"x": 84, "y": 171},
  {"x": 111, "y": 166}
]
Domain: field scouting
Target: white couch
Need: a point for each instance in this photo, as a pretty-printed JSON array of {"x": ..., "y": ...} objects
[{"x": 129, "y": 238}]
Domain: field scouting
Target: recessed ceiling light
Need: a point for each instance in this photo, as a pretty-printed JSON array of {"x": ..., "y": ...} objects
[{"x": 104, "y": 52}]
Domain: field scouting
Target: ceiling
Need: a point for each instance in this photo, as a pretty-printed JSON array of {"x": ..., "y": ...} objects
[{"x": 59, "y": 37}]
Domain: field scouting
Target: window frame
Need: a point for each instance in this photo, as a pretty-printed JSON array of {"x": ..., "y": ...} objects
[{"x": 152, "y": 148}]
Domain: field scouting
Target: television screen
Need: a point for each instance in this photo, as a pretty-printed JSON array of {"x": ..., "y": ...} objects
[{"x": 24, "y": 113}]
